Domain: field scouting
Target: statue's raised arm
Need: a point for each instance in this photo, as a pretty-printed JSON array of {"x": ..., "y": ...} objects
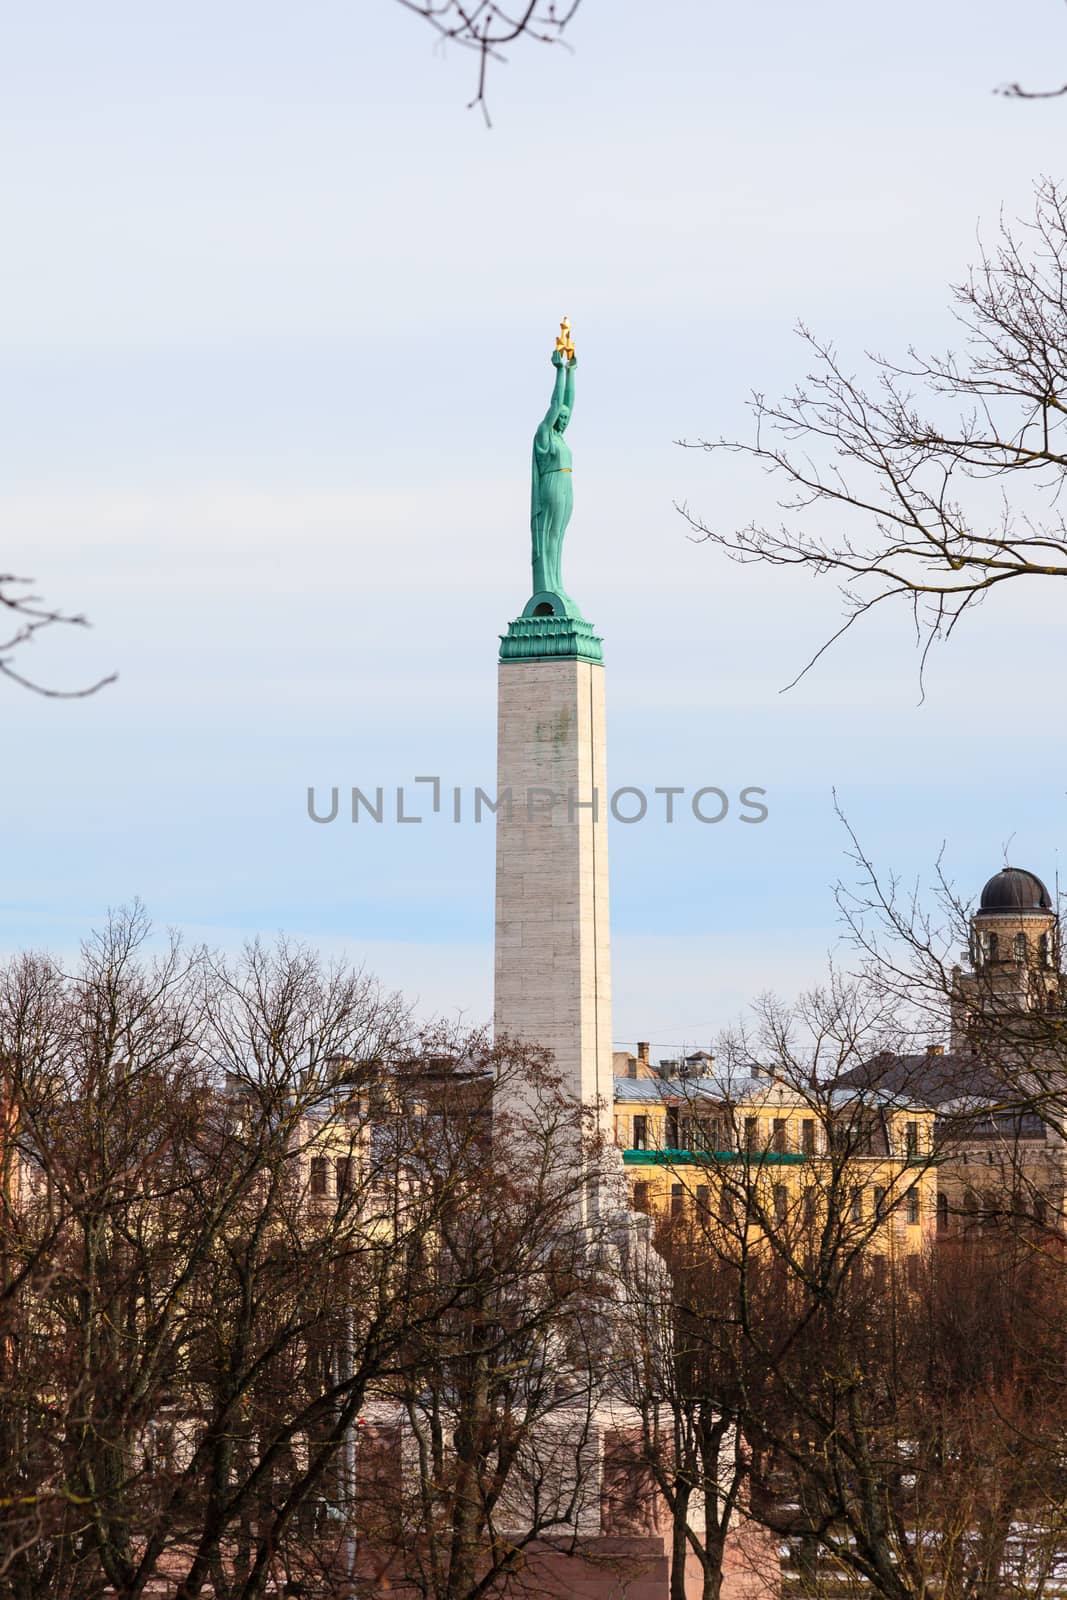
[
  {"x": 568, "y": 386},
  {"x": 559, "y": 390},
  {"x": 552, "y": 494}
]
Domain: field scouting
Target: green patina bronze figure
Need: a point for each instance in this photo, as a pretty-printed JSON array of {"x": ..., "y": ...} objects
[
  {"x": 552, "y": 496},
  {"x": 551, "y": 626}
]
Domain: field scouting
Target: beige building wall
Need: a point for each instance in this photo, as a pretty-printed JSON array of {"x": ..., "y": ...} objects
[{"x": 553, "y": 972}]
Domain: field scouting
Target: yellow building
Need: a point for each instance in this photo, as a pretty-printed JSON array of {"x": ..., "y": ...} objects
[{"x": 720, "y": 1147}]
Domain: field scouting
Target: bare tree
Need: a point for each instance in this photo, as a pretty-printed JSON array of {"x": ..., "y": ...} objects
[
  {"x": 487, "y": 27},
  {"x": 500, "y": 1402},
  {"x": 899, "y": 484},
  {"x": 255, "y": 1233},
  {"x": 899, "y": 1411},
  {"x": 506, "y": 1416},
  {"x": 176, "y": 1287},
  {"x": 173, "y": 1285},
  {"x": 785, "y": 1182},
  {"x": 679, "y": 1382}
]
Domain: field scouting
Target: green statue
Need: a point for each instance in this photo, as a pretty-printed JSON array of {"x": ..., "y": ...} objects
[
  {"x": 552, "y": 497},
  {"x": 551, "y": 626}
]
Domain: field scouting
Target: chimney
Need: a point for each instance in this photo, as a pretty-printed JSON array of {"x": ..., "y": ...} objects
[{"x": 642, "y": 1052}]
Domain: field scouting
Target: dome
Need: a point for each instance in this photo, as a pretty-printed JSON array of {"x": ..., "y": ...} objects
[{"x": 1015, "y": 889}]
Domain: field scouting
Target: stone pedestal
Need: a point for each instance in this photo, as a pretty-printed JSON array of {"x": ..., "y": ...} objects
[{"x": 553, "y": 974}]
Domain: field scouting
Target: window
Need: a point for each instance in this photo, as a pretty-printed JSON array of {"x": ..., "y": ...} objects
[
  {"x": 879, "y": 1203},
  {"x": 343, "y": 1170},
  {"x": 878, "y": 1272},
  {"x": 993, "y": 947},
  {"x": 807, "y": 1136},
  {"x": 942, "y": 1213},
  {"x": 641, "y": 1197},
  {"x": 781, "y": 1203},
  {"x": 1020, "y": 947},
  {"x": 716, "y": 1136},
  {"x": 727, "y": 1212},
  {"x": 703, "y": 1198},
  {"x": 860, "y": 1135},
  {"x": 640, "y": 1133},
  {"x": 911, "y": 1270},
  {"x": 911, "y": 1139},
  {"x": 810, "y": 1207},
  {"x": 677, "y": 1199},
  {"x": 319, "y": 1169},
  {"x": 913, "y": 1206},
  {"x": 779, "y": 1136},
  {"x": 857, "y": 1205},
  {"x": 1040, "y": 1210},
  {"x": 751, "y": 1133},
  {"x": 1044, "y": 950}
]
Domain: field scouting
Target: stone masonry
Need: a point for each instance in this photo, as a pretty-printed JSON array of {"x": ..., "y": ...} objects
[{"x": 553, "y": 975}]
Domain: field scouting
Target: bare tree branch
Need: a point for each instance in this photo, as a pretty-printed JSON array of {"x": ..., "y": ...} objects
[
  {"x": 27, "y": 615},
  {"x": 901, "y": 486},
  {"x": 1015, "y": 91},
  {"x": 487, "y": 27}
]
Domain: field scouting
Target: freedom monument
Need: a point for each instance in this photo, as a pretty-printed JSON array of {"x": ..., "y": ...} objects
[{"x": 553, "y": 961}]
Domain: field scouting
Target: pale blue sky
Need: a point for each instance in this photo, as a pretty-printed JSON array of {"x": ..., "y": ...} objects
[{"x": 275, "y": 312}]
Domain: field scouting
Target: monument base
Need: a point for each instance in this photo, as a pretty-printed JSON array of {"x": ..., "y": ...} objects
[{"x": 532, "y": 638}]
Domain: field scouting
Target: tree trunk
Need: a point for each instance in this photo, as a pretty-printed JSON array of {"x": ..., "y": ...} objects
[{"x": 679, "y": 1539}]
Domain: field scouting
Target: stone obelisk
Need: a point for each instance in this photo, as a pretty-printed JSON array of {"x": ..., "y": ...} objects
[{"x": 553, "y": 968}]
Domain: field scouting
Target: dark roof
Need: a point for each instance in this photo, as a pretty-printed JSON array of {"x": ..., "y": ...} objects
[
  {"x": 934, "y": 1079},
  {"x": 1015, "y": 889}
]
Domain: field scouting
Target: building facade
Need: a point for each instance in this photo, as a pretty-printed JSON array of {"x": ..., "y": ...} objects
[{"x": 718, "y": 1149}]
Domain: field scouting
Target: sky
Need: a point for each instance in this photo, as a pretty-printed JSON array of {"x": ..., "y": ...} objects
[{"x": 275, "y": 317}]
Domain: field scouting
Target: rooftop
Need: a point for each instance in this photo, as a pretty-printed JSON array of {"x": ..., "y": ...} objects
[
  {"x": 1014, "y": 889},
  {"x": 749, "y": 1090}
]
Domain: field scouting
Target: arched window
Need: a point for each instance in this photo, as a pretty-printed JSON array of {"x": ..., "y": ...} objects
[
  {"x": 1044, "y": 950},
  {"x": 993, "y": 947},
  {"x": 1020, "y": 947}
]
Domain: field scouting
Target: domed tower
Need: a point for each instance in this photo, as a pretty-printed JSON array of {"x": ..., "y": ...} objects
[
  {"x": 1014, "y": 922},
  {"x": 1015, "y": 954}
]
